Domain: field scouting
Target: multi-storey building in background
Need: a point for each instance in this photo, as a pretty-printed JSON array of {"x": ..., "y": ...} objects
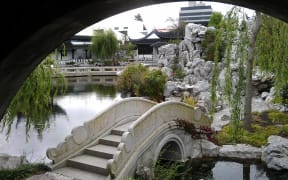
[{"x": 197, "y": 13}]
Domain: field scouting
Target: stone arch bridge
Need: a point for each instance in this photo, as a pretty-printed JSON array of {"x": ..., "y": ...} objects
[{"x": 130, "y": 133}]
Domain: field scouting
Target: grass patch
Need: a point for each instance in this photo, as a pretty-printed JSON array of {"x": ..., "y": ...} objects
[
  {"x": 278, "y": 117},
  {"x": 23, "y": 171},
  {"x": 257, "y": 137},
  {"x": 263, "y": 125}
]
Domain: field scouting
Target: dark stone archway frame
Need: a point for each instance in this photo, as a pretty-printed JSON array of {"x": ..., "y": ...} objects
[{"x": 30, "y": 30}]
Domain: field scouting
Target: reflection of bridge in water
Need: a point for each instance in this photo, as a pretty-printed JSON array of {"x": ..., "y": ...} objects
[
  {"x": 100, "y": 80},
  {"x": 91, "y": 71}
]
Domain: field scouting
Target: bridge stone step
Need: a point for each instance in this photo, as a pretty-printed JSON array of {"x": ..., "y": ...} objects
[
  {"x": 102, "y": 151},
  {"x": 110, "y": 140},
  {"x": 80, "y": 174},
  {"x": 89, "y": 163},
  {"x": 121, "y": 129}
]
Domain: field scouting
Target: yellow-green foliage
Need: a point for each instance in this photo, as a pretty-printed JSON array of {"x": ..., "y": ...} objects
[
  {"x": 139, "y": 81},
  {"x": 285, "y": 128},
  {"x": 153, "y": 86},
  {"x": 34, "y": 98},
  {"x": 278, "y": 117},
  {"x": 190, "y": 100},
  {"x": 104, "y": 44},
  {"x": 131, "y": 78},
  {"x": 257, "y": 137}
]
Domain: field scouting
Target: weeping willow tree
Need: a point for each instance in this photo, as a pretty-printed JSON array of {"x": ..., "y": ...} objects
[
  {"x": 33, "y": 100},
  {"x": 272, "y": 53},
  {"x": 267, "y": 45},
  {"x": 235, "y": 52},
  {"x": 249, "y": 70},
  {"x": 104, "y": 44}
]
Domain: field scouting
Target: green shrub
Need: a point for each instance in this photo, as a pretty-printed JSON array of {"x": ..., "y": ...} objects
[
  {"x": 177, "y": 71},
  {"x": 23, "y": 172},
  {"x": 139, "y": 81},
  {"x": 166, "y": 171},
  {"x": 131, "y": 79},
  {"x": 153, "y": 86}
]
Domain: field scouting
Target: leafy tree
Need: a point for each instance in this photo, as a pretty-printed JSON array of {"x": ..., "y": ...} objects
[
  {"x": 104, "y": 44},
  {"x": 215, "y": 20},
  {"x": 34, "y": 98}
]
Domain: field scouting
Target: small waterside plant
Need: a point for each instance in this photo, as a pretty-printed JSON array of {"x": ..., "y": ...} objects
[{"x": 201, "y": 132}]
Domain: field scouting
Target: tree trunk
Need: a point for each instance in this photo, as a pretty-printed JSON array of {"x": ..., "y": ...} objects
[{"x": 249, "y": 70}]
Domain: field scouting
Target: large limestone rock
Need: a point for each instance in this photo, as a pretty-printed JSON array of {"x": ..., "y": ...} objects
[
  {"x": 11, "y": 162},
  {"x": 240, "y": 151},
  {"x": 198, "y": 70},
  {"x": 190, "y": 47},
  {"x": 200, "y": 86},
  {"x": 170, "y": 87},
  {"x": 168, "y": 54},
  {"x": 258, "y": 105},
  {"x": 203, "y": 148},
  {"x": 275, "y": 153},
  {"x": 220, "y": 119}
]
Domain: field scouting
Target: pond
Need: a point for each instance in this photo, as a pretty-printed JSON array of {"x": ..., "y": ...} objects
[
  {"x": 218, "y": 169},
  {"x": 84, "y": 99}
]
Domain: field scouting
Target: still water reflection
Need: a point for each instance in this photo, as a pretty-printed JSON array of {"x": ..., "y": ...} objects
[
  {"x": 84, "y": 99},
  {"x": 220, "y": 169}
]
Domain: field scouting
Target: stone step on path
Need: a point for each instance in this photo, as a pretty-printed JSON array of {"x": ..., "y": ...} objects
[{"x": 92, "y": 164}]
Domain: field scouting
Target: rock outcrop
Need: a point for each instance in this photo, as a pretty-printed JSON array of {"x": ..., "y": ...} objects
[{"x": 275, "y": 153}]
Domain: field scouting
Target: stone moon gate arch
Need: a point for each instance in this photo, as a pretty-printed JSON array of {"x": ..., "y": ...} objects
[{"x": 31, "y": 30}]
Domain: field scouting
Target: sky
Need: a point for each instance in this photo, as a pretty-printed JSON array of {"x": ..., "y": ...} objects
[{"x": 154, "y": 16}]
